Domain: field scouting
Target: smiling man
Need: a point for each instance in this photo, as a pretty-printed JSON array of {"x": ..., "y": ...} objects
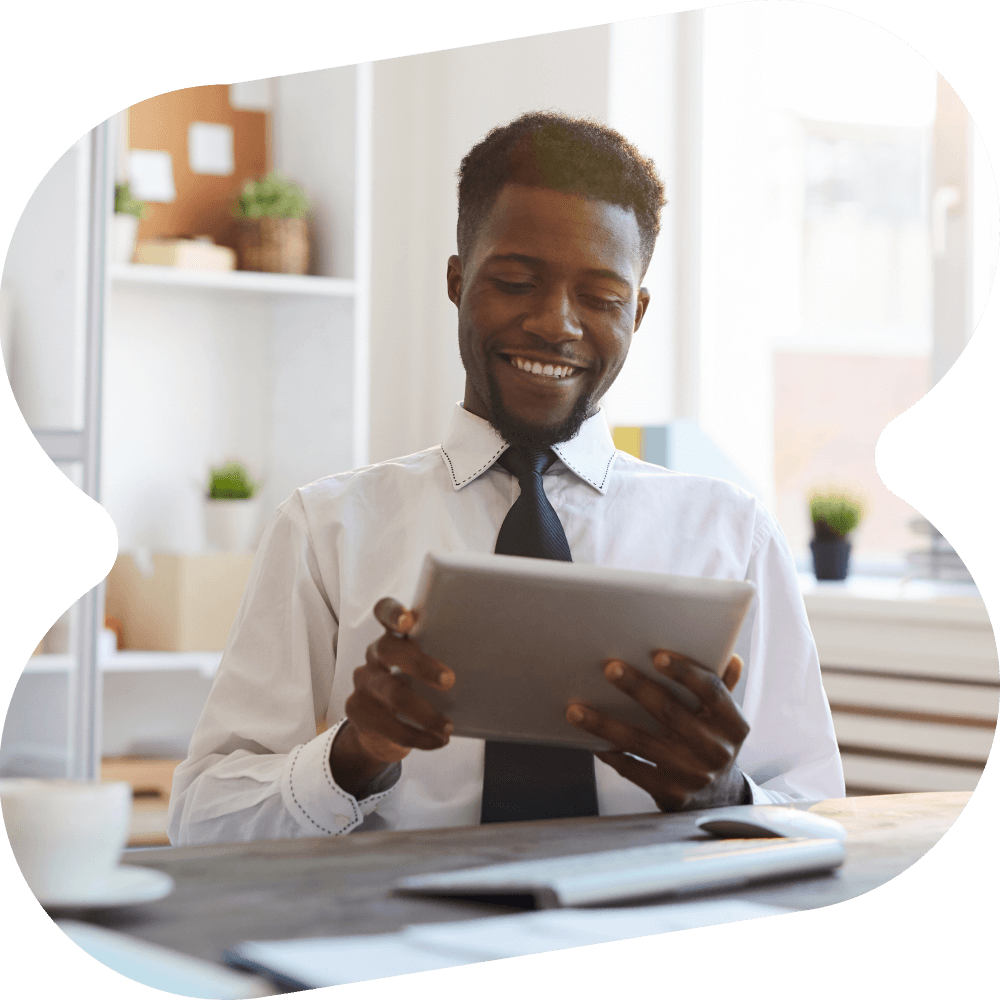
[{"x": 557, "y": 222}]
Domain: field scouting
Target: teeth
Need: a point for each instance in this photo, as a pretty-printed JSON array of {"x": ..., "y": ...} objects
[{"x": 537, "y": 368}]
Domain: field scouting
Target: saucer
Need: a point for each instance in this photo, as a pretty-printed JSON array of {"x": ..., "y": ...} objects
[{"x": 124, "y": 885}]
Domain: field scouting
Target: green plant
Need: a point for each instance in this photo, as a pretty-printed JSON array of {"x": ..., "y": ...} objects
[
  {"x": 273, "y": 196},
  {"x": 835, "y": 515},
  {"x": 231, "y": 482},
  {"x": 126, "y": 204}
]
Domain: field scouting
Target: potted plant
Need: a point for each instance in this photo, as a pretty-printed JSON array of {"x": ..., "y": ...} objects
[
  {"x": 834, "y": 517},
  {"x": 125, "y": 224},
  {"x": 232, "y": 508},
  {"x": 273, "y": 234}
]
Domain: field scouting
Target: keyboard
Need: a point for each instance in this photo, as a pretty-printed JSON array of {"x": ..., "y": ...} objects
[{"x": 635, "y": 872}]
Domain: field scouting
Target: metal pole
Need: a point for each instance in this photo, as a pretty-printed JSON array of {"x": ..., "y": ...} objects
[
  {"x": 951, "y": 224},
  {"x": 687, "y": 213},
  {"x": 85, "y": 686},
  {"x": 363, "y": 102}
]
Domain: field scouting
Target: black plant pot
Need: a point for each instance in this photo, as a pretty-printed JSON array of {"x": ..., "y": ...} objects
[{"x": 831, "y": 557}]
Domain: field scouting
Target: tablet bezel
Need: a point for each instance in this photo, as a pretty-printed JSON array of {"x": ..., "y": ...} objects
[{"x": 473, "y": 610}]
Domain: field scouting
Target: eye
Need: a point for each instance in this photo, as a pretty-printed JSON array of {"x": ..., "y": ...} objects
[
  {"x": 513, "y": 287},
  {"x": 597, "y": 302}
]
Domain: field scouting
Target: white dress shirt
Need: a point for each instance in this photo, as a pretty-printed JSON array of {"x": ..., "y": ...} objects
[{"x": 257, "y": 768}]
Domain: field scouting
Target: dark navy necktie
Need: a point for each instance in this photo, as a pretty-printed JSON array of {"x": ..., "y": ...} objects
[{"x": 521, "y": 780}]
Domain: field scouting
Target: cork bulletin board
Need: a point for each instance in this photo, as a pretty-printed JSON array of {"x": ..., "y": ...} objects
[{"x": 203, "y": 202}]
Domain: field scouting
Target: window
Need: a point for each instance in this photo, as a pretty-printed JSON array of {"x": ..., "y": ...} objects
[{"x": 819, "y": 274}]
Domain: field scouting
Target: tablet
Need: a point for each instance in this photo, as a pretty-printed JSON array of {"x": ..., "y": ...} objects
[{"x": 525, "y": 637}]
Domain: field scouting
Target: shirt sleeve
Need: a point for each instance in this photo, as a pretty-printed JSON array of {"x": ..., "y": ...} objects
[
  {"x": 791, "y": 752},
  {"x": 256, "y": 767}
]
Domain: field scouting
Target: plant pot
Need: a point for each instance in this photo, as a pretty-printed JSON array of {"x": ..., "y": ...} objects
[
  {"x": 831, "y": 557},
  {"x": 231, "y": 525},
  {"x": 280, "y": 246},
  {"x": 122, "y": 237}
]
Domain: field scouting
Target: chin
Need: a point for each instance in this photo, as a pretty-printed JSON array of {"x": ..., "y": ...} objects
[{"x": 522, "y": 433}]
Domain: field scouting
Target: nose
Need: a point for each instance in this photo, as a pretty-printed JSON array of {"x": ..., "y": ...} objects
[{"x": 554, "y": 317}]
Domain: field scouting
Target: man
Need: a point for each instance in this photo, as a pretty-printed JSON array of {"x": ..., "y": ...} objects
[{"x": 557, "y": 222}]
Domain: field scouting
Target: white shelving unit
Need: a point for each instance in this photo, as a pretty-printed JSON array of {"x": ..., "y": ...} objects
[
  {"x": 202, "y": 366},
  {"x": 232, "y": 281},
  {"x": 131, "y": 661}
]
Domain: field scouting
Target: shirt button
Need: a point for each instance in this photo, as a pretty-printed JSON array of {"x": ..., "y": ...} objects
[{"x": 341, "y": 819}]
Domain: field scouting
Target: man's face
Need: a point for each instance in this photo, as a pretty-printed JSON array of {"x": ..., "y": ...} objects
[{"x": 548, "y": 300}]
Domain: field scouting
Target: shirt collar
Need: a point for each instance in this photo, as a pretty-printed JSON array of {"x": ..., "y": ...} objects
[{"x": 471, "y": 445}]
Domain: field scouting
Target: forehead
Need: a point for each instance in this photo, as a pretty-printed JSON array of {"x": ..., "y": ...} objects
[{"x": 561, "y": 229}]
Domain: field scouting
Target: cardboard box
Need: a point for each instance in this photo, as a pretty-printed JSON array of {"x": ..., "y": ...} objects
[
  {"x": 150, "y": 780},
  {"x": 192, "y": 254},
  {"x": 189, "y": 603}
]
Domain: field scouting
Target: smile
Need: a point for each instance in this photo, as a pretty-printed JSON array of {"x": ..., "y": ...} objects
[{"x": 537, "y": 368}]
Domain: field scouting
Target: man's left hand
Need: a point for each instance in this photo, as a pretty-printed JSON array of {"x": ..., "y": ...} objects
[{"x": 689, "y": 760}]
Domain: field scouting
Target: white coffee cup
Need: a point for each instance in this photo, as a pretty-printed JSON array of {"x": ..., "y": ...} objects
[{"x": 67, "y": 836}]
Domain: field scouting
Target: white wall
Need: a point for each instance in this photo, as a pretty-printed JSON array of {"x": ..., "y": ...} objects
[
  {"x": 745, "y": 229},
  {"x": 641, "y": 82},
  {"x": 45, "y": 277},
  {"x": 313, "y": 144},
  {"x": 429, "y": 111}
]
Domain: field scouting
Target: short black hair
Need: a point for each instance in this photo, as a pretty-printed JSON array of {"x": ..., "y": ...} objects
[{"x": 552, "y": 150}]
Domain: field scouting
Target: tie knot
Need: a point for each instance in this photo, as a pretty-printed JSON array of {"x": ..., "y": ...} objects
[{"x": 522, "y": 462}]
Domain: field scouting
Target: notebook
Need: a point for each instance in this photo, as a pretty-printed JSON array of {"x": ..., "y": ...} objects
[{"x": 634, "y": 873}]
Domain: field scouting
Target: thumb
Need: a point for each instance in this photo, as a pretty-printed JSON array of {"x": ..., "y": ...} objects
[{"x": 733, "y": 671}]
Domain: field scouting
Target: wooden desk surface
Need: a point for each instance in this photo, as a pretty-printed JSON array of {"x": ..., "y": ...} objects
[{"x": 335, "y": 886}]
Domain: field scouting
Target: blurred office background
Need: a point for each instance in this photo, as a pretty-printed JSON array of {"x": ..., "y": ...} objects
[{"x": 828, "y": 246}]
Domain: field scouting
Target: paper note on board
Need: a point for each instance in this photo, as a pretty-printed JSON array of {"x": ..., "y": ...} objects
[
  {"x": 151, "y": 175},
  {"x": 210, "y": 149}
]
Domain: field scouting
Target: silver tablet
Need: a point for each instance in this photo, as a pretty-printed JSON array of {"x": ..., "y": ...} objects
[{"x": 527, "y": 636}]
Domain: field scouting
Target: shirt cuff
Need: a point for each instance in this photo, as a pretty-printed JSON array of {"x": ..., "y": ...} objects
[{"x": 316, "y": 802}]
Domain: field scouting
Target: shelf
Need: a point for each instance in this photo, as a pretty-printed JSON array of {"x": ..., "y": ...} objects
[
  {"x": 131, "y": 660},
  {"x": 232, "y": 281},
  {"x": 928, "y": 602}
]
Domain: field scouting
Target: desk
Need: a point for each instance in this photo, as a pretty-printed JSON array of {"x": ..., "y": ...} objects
[{"x": 335, "y": 886}]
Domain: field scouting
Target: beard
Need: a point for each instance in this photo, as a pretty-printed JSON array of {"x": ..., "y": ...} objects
[{"x": 527, "y": 436}]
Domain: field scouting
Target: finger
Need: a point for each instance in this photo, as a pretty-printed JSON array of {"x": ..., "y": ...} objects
[
  {"x": 662, "y": 700},
  {"x": 396, "y": 693},
  {"x": 734, "y": 669},
  {"x": 681, "y": 693},
  {"x": 717, "y": 705},
  {"x": 372, "y": 717},
  {"x": 668, "y": 793},
  {"x": 674, "y": 756},
  {"x": 394, "y": 616},
  {"x": 700, "y": 734},
  {"x": 395, "y": 651}
]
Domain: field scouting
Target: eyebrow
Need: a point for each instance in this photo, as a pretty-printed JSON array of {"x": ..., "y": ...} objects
[{"x": 594, "y": 272}]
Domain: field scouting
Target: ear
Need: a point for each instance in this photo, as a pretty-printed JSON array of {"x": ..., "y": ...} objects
[
  {"x": 455, "y": 279},
  {"x": 641, "y": 305}
]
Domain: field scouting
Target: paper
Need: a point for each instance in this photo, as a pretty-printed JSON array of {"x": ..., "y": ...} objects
[
  {"x": 423, "y": 947},
  {"x": 210, "y": 149},
  {"x": 251, "y": 95},
  {"x": 316, "y": 962},
  {"x": 162, "y": 968},
  {"x": 151, "y": 175}
]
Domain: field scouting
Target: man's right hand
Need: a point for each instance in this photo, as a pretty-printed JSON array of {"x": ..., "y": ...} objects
[{"x": 386, "y": 715}]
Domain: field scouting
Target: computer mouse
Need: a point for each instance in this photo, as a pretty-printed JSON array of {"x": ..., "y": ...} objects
[{"x": 768, "y": 821}]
